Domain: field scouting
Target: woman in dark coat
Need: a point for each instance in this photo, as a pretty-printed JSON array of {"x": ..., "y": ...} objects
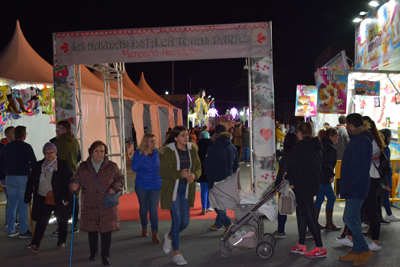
[
  {"x": 304, "y": 171},
  {"x": 203, "y": 145},
  {"x": 94, "y": 176},
  {"x": 328, "y": 138},
  {"x": 289, "y": 145},
  {"x": 49, "y": 175}
]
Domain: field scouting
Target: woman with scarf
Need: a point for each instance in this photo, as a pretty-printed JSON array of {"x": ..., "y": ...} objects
[
  {"x": 49, "y": 182},
  {"x": 98, "y": 176}
]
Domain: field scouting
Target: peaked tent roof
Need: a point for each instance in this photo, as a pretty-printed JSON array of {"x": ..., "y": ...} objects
[
  {"x": 150, "y": 93},
  {"x": 19, "y": 62}
]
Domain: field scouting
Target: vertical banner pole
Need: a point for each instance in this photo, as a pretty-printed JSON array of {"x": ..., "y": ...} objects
[{"x": 250, "y": 120}]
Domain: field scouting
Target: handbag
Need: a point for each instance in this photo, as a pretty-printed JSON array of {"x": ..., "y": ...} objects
[
  {"x": 287, "y": 201},
  {"x": 110, "y": 200},
  {"x": 50, "y": 198}
]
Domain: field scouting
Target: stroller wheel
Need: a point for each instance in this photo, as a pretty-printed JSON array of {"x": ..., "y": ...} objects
[
  {"x": 270, "y": 239},
  {"x": 225, "y": 251},
  {"x": 265, "y": 250}
]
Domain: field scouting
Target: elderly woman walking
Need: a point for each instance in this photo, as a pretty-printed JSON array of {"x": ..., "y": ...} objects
[
  {"x": 98, "y": 176},
  {"x": 49, "y": 182},
  {"x": 146, "y": 164}
]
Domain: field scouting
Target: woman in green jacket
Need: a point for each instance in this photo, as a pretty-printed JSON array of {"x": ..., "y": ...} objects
[{"x": 179, "y": 169}]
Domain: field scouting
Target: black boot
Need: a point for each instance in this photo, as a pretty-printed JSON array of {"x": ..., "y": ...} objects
[
  {"x": 92, "y": 256},
  {"x": 105, "y": 260}
]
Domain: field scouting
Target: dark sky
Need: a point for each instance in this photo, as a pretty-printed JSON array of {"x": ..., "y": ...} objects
[{"x": 301, "y": 31}]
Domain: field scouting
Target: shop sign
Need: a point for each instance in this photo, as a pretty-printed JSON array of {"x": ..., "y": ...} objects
[
  {"x": 332, "y": 91},
  {"x": 163, "y": 44},
  {"x": 369, "y": 88},
  {"x": 306, "y": 100},
  {"x": 377, "y": 39}
]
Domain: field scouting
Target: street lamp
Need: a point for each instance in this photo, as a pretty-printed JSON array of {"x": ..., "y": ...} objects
[{"x": 166, "y": 92}]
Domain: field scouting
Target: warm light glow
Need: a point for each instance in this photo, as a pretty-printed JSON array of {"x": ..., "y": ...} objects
[
  {"x": 357, "y": 20},
  {"x": 234, "y": 112},
  {"x": 373, "y": 3},
  {"x": 213, "y": 112}
]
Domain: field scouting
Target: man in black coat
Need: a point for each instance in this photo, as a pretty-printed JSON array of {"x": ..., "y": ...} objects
[{"x": 221, "y": 162}]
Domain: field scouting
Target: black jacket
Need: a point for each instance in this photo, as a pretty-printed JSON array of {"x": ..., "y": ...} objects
[
  {"x": 203, "y": 145},
  {"x": 17, "y": 158},
  {"x": 305, "y": 166},
  {"x": 283, "y": 166},
  {"x": 329, "y": 158},
  {"x": 2, "y": 173},
  {"x": 221, "y": 160},
  {"x": 59, "y": 183}
]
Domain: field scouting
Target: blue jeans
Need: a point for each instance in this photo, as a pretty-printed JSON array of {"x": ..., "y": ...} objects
[
  {"x": 222, "y": 219},
  {"x": 386, "y": 203},
  {"x": 325, "y": 190},
  {"x": 351, "y": 218},
  {"x": 179, "y": 215},
  {"x": 246, "y": 154},
  {"x": 281, "y": 222},
  {"x": 205, "y": 203},
  {"x": 16, "y": 191},
  {"x": 148, "y": 203}
]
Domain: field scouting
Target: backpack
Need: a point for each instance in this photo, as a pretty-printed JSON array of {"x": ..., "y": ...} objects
[{"x": 384, "y": 167}]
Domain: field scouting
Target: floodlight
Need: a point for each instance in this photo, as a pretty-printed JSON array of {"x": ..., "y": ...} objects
[
  {"x": 363, "y": 13},
  {"x": 357, "y": 20},
  {"x": 374, "y": 3}
]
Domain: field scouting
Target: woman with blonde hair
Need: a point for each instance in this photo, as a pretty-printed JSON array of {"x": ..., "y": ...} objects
[{"x": 146, "y": 164}]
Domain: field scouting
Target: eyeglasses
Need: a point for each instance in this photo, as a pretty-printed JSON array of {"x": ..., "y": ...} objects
[{"x": 48, "y": 153}]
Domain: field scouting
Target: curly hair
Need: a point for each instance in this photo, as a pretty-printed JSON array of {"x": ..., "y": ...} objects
[{"x": 143, "y": 144}]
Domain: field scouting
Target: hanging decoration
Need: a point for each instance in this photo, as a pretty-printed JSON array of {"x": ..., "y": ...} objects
[{"x": 213, "y": 112}]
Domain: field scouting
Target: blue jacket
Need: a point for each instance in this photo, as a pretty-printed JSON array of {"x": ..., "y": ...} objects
[
  {"x": 147, "y": 169},
  {"x": 221, "y": 160},
  {"x": 356, "y": 163}
]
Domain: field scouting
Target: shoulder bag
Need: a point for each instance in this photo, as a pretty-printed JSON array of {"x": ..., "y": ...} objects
[
  {"x": 110, "y": 200},
  {"x": 287, "y": 201}
]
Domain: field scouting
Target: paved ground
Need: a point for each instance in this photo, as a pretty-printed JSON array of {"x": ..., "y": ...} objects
[{"x": 199, "y": 246}]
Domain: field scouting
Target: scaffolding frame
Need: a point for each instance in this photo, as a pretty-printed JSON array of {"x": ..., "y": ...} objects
[{"x": 112, "y": 73}]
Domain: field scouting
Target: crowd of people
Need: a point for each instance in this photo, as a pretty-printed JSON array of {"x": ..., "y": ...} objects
[
  {"x": 308, "y": 163},
  {"x": 168, "y": 176}
]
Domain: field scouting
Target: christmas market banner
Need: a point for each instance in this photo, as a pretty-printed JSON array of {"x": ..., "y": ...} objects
[
  {"x": 64, "y": 94},
  {"x": 377, "y": 40},
  {"x": 368, "y": 88},
  {"x": 163, "y": 44},
  {"x": 263, "y": 123},
  {"x": 306, "y": 100},
  {"x": 332, "y": 91}
]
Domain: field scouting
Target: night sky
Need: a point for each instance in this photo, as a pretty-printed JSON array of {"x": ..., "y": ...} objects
[{"x": 301, "y": 31}]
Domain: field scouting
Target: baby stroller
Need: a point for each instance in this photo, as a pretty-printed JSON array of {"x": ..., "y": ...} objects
[{"x": 252, "y": 219}]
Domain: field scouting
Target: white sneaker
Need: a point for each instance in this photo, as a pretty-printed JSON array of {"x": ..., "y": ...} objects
[
  {"x": 344, "y": 241},
  {"x": 167, "y": 244},
  {"x": 374, "y": 247},
  {"x": 392, "y": 218},
  {"x": 178, "y": 259}
]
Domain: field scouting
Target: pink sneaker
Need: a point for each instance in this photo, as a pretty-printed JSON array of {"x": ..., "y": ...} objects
[
  {"x": 316, "y": 253},
  {"x": 299, "y": 250}
]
